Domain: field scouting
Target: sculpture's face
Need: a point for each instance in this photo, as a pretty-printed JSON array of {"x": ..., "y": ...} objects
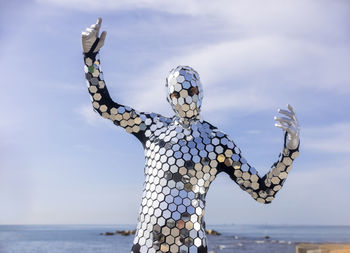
[{"x": 184, "y": 92}]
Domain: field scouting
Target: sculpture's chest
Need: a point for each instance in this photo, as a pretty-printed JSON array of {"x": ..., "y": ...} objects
[{"x": 184, "y": 157}]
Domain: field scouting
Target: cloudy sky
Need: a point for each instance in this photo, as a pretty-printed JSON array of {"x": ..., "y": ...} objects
[{"x": 60, "y": 163}]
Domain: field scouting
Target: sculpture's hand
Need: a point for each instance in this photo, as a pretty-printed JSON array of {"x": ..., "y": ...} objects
[
  {"x": 90, "y": 35},
  {"x": 290, "y": 125}
]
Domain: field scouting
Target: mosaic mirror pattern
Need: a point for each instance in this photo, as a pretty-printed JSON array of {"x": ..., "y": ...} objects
[{"x": 183, "y": 155}]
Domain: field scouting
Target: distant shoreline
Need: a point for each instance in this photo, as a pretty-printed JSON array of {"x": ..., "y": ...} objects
[{"x": 292, "y": 233}]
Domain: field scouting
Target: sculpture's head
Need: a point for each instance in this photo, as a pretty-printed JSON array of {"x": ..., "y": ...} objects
[{"x": 184, "y": 92}]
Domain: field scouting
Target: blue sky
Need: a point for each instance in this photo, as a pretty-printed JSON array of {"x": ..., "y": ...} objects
[{"x": 61, "y": 163}]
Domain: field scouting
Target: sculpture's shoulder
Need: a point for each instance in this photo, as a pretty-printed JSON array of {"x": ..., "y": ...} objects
[
  {"x": 155, "y": 119},
  {"x": 215, "y": 132},
  {"x": 219, "y": 137},
  {"x": 205, "y": 125},
  {"x": 160, "y": 119}
]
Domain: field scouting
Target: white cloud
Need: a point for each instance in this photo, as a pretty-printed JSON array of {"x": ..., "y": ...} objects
[
  {"x": 88, "y": 114},
  {"x": 301, "y": 200},
  {"x": 333, "y": 138},
  {"x": 250, "y": 74},
  {"x": 293, "y": 17},
  {"x": 271, "y": 50}
]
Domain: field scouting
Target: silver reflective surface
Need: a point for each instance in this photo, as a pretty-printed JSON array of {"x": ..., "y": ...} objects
[{"x": 183, "y": 155}]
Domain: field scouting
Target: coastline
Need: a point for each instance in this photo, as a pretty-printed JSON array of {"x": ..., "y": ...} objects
[{"x": 233, "y": 238}]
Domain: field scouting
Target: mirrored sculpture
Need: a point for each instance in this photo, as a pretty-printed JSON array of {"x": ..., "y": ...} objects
[{"x": 183, "y": 155}]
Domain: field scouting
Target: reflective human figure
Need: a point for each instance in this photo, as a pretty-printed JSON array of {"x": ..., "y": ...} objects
[{"x": 183, "y": 155}]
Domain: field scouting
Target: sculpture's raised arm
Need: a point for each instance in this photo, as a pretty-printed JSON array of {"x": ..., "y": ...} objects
[
  {"x": 262, "y": 189},
  {"x": 133, "y": 121}
]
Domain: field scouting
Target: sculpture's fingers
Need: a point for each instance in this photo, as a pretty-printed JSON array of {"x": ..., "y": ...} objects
[
  {"x": 103, "y": 37},
  {"x": 99, "y": 22},
  {"x": 292, "y": 131},
  {"x": 282, "y": 124},
  {"x": 87, "y": 33},
  {"x": 285, "y": 128},
  {"x": 101, "y": 41},
  {"x": 92, "y": 34},
  {"x": 296, "y": 129},
  {"x": 291, "y": 108},
  {"x": 295, "y": 122},
  {"x": 284, "y": 120},
  {"x": 98, "y": 25},
  {"x": 95, "y": 27},
  {"x": 286, "y": 113},
  {"x": 89, "y": 37}
]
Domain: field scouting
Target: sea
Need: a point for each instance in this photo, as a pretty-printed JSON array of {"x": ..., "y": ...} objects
[{"x": 233, "y": 238}]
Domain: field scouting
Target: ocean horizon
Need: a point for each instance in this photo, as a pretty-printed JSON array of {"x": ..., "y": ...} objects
[{"x": 234, "y": 238}]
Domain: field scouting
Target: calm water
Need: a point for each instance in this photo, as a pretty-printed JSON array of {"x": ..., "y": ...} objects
[{"x": 234, "y": 238}]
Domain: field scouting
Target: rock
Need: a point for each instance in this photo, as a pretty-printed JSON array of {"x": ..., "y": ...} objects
[
  {"x": 120, "y": 232},
  {"x": 129, "y": 232},
  {"x": 322, "y": 248},
  {"x": 125, "y": 232},
  {"x": 212, "y": 232}
]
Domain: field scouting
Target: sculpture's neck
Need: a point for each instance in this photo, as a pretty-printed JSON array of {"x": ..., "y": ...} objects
[{"x": 187, "y": 122}]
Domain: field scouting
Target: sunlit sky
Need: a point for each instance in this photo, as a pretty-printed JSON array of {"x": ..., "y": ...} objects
[{"x": 60, "y": 163}]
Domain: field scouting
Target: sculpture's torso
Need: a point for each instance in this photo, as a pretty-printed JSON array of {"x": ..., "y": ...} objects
[{"x": 180, "y": 165}]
